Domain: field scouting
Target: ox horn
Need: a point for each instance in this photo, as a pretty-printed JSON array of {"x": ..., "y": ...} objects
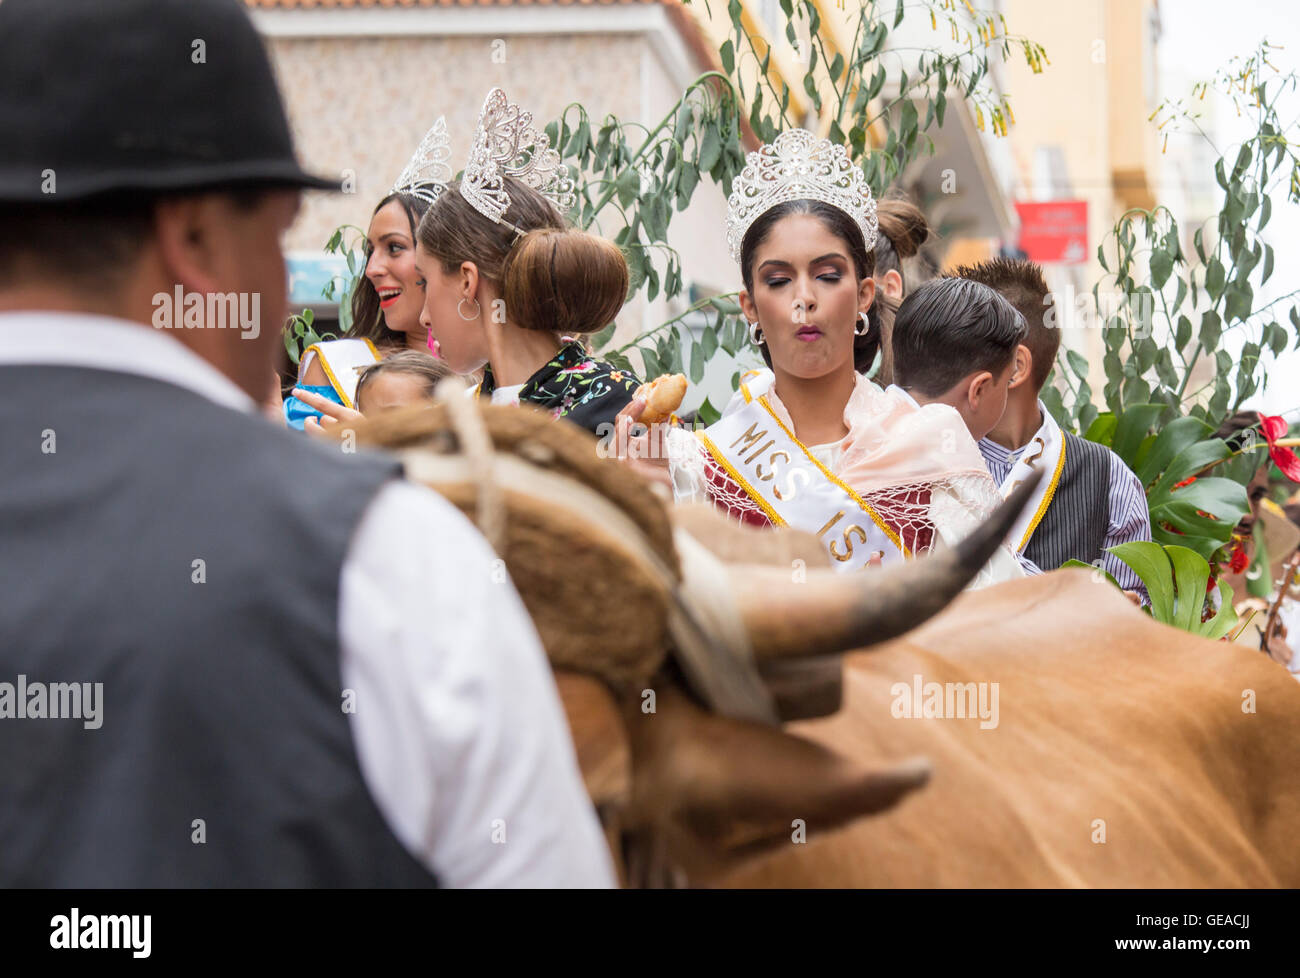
[{"x": 833, "y": 612}]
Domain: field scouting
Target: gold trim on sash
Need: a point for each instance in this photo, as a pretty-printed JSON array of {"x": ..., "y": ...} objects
[
  {"x": 1047, "y": 498},
  {"x": 329, "y": 373},
  {"x": 875, "y": 517},
  {"x": 740, "y": 480},
  {"x": 744, "y": 387}
]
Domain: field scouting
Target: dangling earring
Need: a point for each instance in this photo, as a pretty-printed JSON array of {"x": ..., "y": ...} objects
[
  {"x": 864, "y": 322},
  {"x": 477, "y": 310},
  {"x": 755, "y": 334}
]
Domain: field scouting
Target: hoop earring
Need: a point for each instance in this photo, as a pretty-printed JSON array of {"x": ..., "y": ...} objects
[
  {"x": 477, "y": 310},
  {"x": 866, "y": 325},
  {"x": 755, "y": 334}
]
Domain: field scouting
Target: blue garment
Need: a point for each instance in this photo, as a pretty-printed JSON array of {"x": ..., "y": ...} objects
[{"x": 296, "y": 412}]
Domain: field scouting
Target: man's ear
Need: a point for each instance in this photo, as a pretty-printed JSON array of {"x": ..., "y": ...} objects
[
  {"x": 186, "y": 246},
  {"x": 978, "y": 388},
  {"x": 1022, "y": 367},
  {"x": 748, "y": 307},
  {"x": 891, "y": 284}
]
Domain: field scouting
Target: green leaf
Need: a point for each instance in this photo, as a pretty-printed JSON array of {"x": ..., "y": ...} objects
[
  {"x": 707, "y": 413},
  {"x": 1094, "y": 568},
  {"x": 697, "y": 362},
  {"x": 1211, "y": 329},
  {"x": 1132, "y": 427},
  {"x": 1149, "y": 562},
  {"x": 710, "y": 149},
  {"x": 1191, "y": 573},
  {"x": 1102, "y": 430},
  {"x": 598, "y": 340},
  {"x": 898, "y": 13},
  {"x": 728, "y": 53},
  {"x": 1162, "y": 266},
  {"x": 1173, "y": 439},
  {"x": 1078, "y": 364},
  {"x": 628, "y": 186},
  {"x": 1223, "y": 499},
  {"x": 709, "y": 341},
  {"x": 1226, "y": 617}
]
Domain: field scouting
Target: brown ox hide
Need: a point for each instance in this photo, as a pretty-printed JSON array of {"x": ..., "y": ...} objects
[{"x": 1103, "y": 715}]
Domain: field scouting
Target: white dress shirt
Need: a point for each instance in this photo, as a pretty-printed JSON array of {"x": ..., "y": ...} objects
[{"x": 459, "y": 730}]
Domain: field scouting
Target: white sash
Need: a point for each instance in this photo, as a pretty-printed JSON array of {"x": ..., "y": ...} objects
[
  {"x": 794, "y": 488},
  {"x": 1046, "y": 448},
  {"x": 341, "y": 360}
]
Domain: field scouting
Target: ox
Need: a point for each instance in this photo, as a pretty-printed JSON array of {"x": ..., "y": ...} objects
[{"x": 725, "y": 739}]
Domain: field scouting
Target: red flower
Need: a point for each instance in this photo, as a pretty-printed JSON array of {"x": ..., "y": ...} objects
[
  {"x": 1238, "y": 562},
  {"x": 1186, "y": 482},
  {"x": 1273, "y": 428}
]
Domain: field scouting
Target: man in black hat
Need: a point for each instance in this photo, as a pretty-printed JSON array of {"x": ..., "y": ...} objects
[{"x": 228, "y": 656}]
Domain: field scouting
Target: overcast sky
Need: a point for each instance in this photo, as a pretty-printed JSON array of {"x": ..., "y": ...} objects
[{"x": 1199, "y": 36}]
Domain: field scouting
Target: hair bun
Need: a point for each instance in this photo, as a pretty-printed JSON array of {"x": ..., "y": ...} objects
[
  {"x": 903, "y": 224},
  {"x": 565, "y": 281}
]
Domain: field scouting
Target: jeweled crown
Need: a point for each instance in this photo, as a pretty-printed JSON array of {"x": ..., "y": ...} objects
[
  {"x": 429, "y": 170},
  {"x": 507, "y": 144},
  {"x": 798, "y": 166}
]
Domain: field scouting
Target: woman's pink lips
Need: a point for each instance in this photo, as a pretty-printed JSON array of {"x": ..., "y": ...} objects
[
  {"x": 385, "y": 303},
  {"x": 807, "y": 333}
]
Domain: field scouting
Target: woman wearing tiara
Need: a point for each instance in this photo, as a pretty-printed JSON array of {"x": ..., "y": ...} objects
[
  {"x": 901, "y": 230},
  {"x": 388, "y": 298},
  {"x": 819, "y": 446},
  {"x": 508, "y": 284}
]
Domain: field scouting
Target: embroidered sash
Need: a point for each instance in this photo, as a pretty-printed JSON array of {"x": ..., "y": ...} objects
[
  {"x": 764, "y": 458},
  {"x": 1047, "y": 448}
]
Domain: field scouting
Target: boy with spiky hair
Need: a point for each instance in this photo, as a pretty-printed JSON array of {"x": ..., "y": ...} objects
[{"x": 1070, "y": 520}]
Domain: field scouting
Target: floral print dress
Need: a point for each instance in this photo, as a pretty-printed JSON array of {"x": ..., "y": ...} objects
[{"x": 574, "y": 386}]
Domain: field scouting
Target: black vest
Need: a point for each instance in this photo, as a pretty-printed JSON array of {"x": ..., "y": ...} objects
[
  {"x": 1074, "y": 526},
  {"x": 222, "y": 700}
]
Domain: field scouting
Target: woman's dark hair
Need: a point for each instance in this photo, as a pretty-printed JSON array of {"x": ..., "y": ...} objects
[
  {"x": 454, "y": 231},
  {"x": 552, "y": 277},
  {"x": 367, "y": 318},
  {"x": 865, "y": 347},
  {"x": 567, "y": 281},
  {"x": 903, "y": 229}
]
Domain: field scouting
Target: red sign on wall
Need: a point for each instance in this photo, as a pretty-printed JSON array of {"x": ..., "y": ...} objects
[{"x": 1054, "y": 231}]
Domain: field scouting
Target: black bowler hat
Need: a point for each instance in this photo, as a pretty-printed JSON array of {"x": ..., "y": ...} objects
[{"x": 147, "y": 95}]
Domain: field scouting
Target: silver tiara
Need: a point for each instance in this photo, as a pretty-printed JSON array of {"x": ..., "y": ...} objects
[
  {"x": 798, "y": 166},
  {"x": 429, "y": 171},
  {"x": 506, "y": 144}
]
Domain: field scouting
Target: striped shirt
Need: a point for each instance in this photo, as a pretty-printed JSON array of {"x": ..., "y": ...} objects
[{"x": 1128, "y": 519}]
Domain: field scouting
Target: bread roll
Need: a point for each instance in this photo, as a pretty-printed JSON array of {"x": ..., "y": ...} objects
[{"x": 662, "y": 396}]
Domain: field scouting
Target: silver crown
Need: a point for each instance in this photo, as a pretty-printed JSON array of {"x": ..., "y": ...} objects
[
  {"x": 798, "y": 166},
  {"x": 507, "y": 144},
  {"x": 429, "y": 171}
]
